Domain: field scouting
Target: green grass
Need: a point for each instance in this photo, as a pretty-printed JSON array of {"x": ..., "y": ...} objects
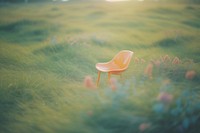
[{"x": 46, "y": 50}]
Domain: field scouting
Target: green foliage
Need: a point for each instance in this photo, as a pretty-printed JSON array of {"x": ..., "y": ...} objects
[
  {"x": 192, "y": 23},
  {"x": 16, "y": 26},
  {"x": 16, "y": 1},
  {"x": 22, "y": 29},
  {"x": 115, "y": 113},
  {"x": 46, "y": 50},
  {"x": 167, "y": 43}
]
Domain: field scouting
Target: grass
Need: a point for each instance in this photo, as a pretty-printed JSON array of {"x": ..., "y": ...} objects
[{"x": 46, "y": 50}]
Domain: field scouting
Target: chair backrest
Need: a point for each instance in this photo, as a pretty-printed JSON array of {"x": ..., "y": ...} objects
[{"x": 123, "y": 58}]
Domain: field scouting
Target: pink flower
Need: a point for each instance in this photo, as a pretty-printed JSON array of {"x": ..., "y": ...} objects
[
  {"x": 136, "y": 60},
  {"x": 176, "y": 60},
  {"x": 144, "y": 126},
  {"x": 148, "y": 70},
  {"x": 190, "y": 74},
  {"x": 165, "y": 98},
  {"x": 143, "y": 61},
  {"x": 166, "y": 58},
  {"x": 88, "y": 82}
]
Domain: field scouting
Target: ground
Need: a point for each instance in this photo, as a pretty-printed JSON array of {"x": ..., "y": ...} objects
[{"x": 47, "y": 50}]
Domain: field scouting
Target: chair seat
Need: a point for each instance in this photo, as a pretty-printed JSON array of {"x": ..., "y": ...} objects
[{"x": 107, "y": 67}]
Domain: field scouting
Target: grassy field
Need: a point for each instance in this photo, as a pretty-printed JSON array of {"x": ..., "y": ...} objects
[{"x": 47, "y": 50}]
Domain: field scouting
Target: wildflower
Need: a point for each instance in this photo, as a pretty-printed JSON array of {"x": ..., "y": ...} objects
[
  {"x": 166, "y": 58},
  {"x": 176, "y": 60},
  {"x": 148, "y": 70},
  {"x": 190, "y": 74},
  {"x": 113, "y": 83},
  {"x": 161, "y": 58},
  {"x": 165, "y": 98},
  {"x": 88, "y": 82},
  {"x": 144, "y": 126},
  {"x": 136, "y": 60},
  {"x": 143, "y": 61}
]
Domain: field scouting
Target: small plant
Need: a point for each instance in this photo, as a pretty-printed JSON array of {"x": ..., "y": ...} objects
[{"x": 147, "y": 103}]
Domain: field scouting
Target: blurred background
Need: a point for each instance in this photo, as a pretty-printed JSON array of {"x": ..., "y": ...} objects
[{"x": 48, "y": 52}]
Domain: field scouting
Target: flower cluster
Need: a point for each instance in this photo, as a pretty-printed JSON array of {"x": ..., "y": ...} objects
[
  {"x": 171, "y": 66},
  {"x": 190, "y": 74},
  {"x": 88, "y": 82},
  {"x": 148, "y": 70},
  {"x": 165, "y": 98},
  {"x": 138, "y": 60},
  {"x": 173, "y": 104}
]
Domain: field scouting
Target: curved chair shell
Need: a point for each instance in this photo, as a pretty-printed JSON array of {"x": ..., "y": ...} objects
[{"x": 117, "y": 65}]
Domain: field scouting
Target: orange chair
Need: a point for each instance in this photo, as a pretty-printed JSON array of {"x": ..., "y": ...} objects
[{"x": 116, "y": 66}]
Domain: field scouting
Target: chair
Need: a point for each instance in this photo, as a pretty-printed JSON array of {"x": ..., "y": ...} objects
[{"x": 116, "y": 66}]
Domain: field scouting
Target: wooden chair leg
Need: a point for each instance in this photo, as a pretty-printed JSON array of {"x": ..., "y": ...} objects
[{"x": 99, "y": 74}]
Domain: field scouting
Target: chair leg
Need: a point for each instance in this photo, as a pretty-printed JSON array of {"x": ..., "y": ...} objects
[
  {"x": 99, "y": 74},
  {"x": 109, "y": 74}
]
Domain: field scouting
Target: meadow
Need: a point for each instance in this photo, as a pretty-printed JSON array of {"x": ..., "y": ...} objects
[{"x": 48, "y": 53}]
